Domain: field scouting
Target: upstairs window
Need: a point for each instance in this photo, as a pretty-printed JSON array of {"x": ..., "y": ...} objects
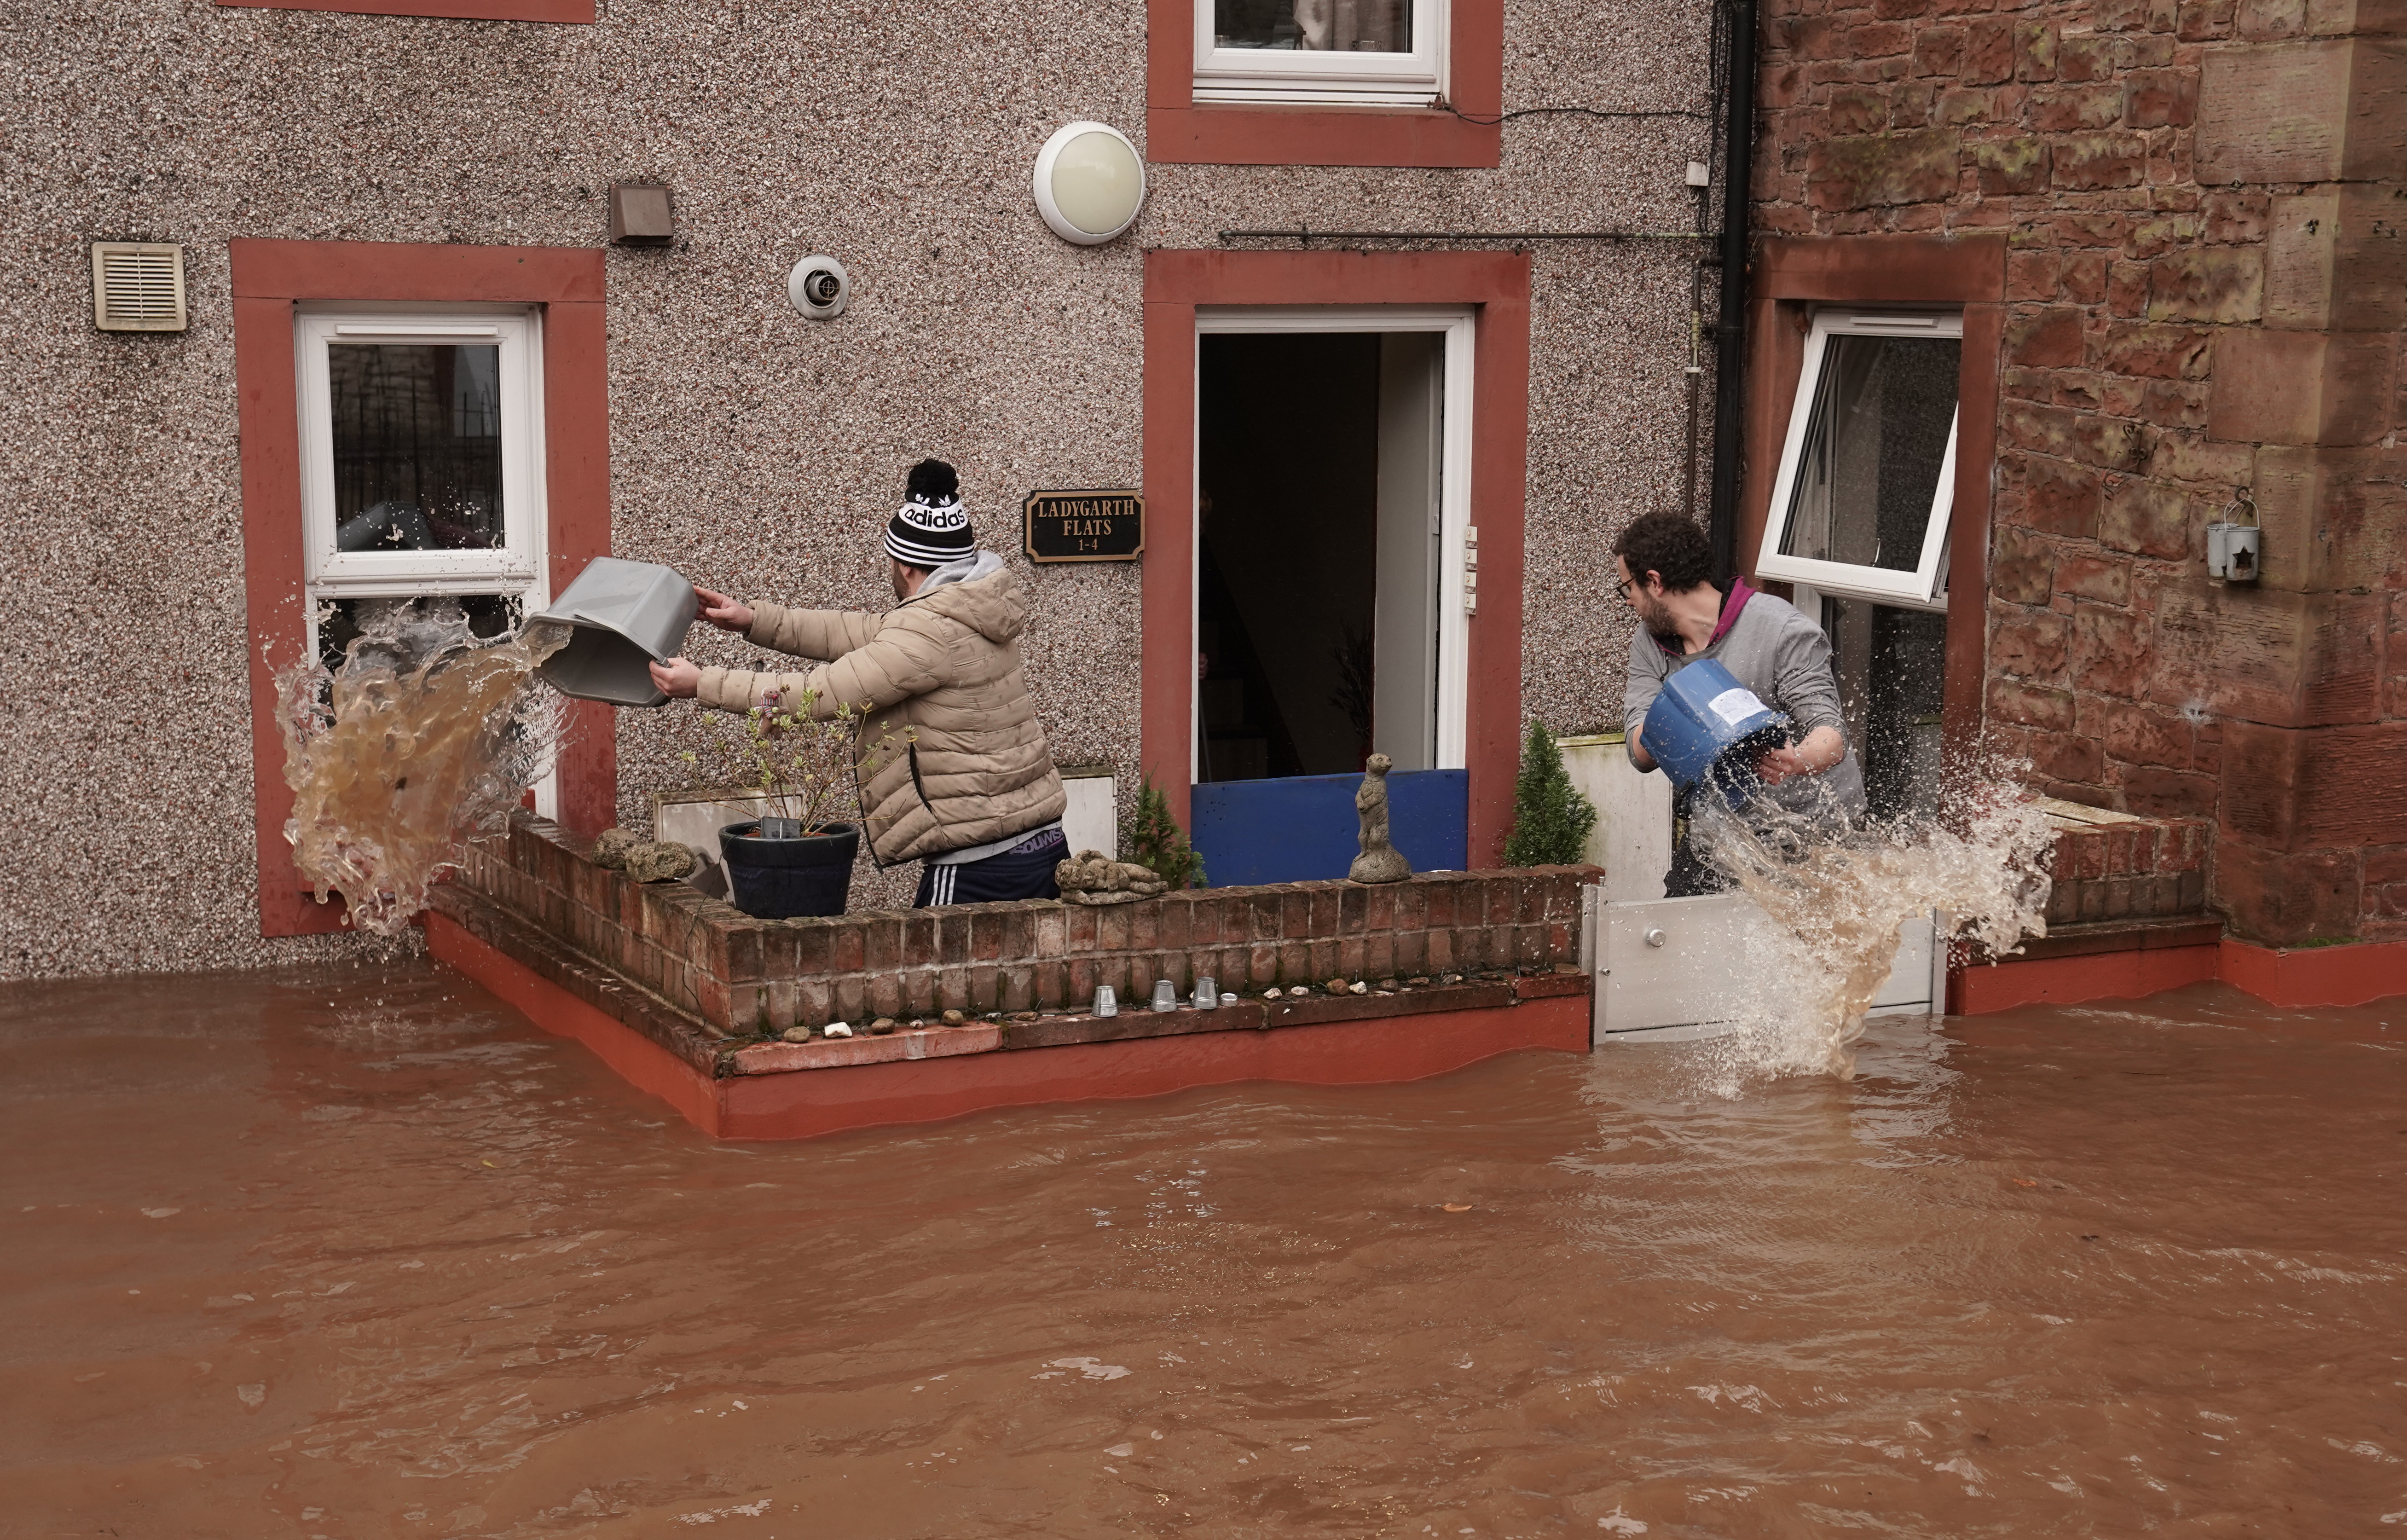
[
  {"x": 1325, "y": 52},
  {"x": 1868, "y": 472},
  {"x": 421, "y": 465}
]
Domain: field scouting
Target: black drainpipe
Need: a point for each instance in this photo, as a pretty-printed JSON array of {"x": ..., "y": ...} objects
[{"x": 1730, "y": 325}]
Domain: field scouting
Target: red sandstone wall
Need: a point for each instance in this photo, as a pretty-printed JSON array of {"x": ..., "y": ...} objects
[{"x": 2206, "y": 203}]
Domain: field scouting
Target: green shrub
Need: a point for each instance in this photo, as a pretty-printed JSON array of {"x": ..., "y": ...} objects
[
  {"x": 1551, "y": 821},
  {"x": 1152, "y": 839}
]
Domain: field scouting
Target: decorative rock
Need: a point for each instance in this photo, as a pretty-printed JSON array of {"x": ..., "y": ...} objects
[
  {"x": 1386, "y": 985},
  {"x": 836, "y": 1028},
  {"x": 802, "y": 1034},
  {"x": 610, "y": 847},
  {"x": 1336, "y": 985},
  {"x": 1419, "y": 981},
  {"x": 1357, "y": 987},
  {"x": 954, "y": 1018},
  {"x": 1092, "y": 877},
  {"x": 659, "y": 861},
  {"x": 1272, "y": 993},
  {"x": 1380, "y": 860},
  {"x": 880, "y": 1027}
]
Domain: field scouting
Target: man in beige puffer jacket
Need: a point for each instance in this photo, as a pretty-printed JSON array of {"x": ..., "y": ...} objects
[{"x": 953, "y": 767}]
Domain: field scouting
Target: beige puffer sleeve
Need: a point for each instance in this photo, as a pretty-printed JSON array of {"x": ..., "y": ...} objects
[
  {"x": 909, "y": 656},
  {"x": 742, "y": 689},
  {"x": 820, "y": 633}
]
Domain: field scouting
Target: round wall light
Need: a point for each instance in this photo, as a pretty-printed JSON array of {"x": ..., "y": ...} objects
[{"x": 1090, "y": 182}]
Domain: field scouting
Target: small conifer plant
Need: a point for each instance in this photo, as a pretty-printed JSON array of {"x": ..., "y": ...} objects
[
  {"x": 1551, "y": 821},
  {"x": 1152, "y": 839}
]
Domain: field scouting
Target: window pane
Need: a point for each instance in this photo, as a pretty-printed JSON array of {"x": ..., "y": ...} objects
[
  {"x": 1345, "y": 26},
  {"x": 1873, "y": 450},
  {"x": 1892, "y": 669},
  {"x": 418, "y": 446}
]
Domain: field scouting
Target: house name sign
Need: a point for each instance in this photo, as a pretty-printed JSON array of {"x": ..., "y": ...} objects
[{"x": 1083, "y": 526}]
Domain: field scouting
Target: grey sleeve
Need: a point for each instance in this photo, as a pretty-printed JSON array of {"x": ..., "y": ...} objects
[
  {"x": 1808, "y": 689},
  {"x": 1648, "y": 672}
]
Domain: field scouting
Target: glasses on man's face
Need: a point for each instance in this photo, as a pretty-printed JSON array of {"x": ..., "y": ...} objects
[{"x": 1629, "y": 587}]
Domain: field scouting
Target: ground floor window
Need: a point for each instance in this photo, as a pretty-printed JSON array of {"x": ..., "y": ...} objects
[
  {"x": 421, "y": 465},
  {"x": 1868, "y": 471}
]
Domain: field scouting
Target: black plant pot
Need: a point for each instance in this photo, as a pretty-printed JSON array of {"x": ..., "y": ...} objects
[{"x": 780, "y": 876}]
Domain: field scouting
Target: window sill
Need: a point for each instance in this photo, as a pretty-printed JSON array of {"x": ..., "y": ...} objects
[
  {"x": 565, "y": 12},
  {"x": 1262, "y": 133}
]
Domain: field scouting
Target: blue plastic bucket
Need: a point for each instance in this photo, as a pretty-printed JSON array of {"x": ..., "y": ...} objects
[{"x": 1705, "y": 723}]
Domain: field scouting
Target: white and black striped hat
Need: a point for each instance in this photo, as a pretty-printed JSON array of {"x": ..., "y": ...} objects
[{"x": 932, "y": 527}]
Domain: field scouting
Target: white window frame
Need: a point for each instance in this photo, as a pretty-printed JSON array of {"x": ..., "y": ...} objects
[
  {"x": 517, "y": 567},
  {"x": 1926, "y": 585},
  {"x": 1315, "y": 78},
  {"x": 1460, "y": 327}
]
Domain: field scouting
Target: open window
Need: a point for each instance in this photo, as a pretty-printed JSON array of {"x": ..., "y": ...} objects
[
  {"x": 1341, "y": 53},
  {"x": 1868, "y": 472},
  {"x": 421, "y": 465}
]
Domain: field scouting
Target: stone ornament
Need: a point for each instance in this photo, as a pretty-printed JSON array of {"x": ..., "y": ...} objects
[
  {"x": 645, "y": 860},
  {"x": 1093, "y": 877},
  {"x": 1380, "y": 860}
]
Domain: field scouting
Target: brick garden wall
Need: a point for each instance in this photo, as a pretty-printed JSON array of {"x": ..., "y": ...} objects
[
  {"x": 744, "y": 976},
  {"x": 2206, "y": 209}
]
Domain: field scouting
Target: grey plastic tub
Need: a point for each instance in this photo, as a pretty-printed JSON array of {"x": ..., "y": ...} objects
[{"x": 624, "y": 615}]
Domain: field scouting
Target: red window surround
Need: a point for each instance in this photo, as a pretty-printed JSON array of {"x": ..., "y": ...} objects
[
  {"x": 1498, "y": 284},
  {"x": 269, "y": 278},
  {"x": 467, "y": 10},
  {"x": 1792, "y": 276},
  {"x": 1180, "y": 130}
]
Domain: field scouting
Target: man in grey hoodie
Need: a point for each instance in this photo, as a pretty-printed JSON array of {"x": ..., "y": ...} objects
[
  {"x": 1663, "y": 562},
  {"x": 953, "y": 767}
]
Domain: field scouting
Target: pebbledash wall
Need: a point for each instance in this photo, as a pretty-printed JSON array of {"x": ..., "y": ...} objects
[
  {"x": 750, "y": 447},
  {"x": 2185, "y": 225}
]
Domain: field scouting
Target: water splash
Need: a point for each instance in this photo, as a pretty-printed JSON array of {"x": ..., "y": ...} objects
[
  {"x": 424, "y": 737},
  {"x": 1841, "y": 898}
]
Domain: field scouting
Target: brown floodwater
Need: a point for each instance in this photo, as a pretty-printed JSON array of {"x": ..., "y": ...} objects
[{"x": 364, "y": 1254}]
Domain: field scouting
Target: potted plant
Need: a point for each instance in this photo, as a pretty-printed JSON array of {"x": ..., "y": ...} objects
[{"x": 797, "y": 858}]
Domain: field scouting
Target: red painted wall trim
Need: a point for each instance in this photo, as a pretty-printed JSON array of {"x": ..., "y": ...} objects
[
  {"x": 1498, "y": 284},
  {"x": 269, "y": 278},
  {"x": 1793, "y": 272},
  {"x": 2071, "y": 980},
  {"x": 2316, "y": 975},
  {"x": 469, "y": 10},
  {"x": 1178, "y": 131}
]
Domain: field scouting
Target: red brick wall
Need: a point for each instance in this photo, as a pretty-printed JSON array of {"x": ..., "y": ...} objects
[
  {"x": 2206, "y": 206},
  {"x": 741, "y": 974}
]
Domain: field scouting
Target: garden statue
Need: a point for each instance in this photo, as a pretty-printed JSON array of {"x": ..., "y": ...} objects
[{"x": 1380, "y": 860}]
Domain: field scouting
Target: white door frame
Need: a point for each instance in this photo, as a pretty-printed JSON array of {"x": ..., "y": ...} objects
[{"x": 1459, "y": 324}]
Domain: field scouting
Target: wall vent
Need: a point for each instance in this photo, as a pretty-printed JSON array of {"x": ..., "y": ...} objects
[{"x": 138, "y": 286}]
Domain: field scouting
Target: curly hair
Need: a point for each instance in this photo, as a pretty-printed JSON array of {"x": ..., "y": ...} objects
[{"x": 1671, "y": 546}]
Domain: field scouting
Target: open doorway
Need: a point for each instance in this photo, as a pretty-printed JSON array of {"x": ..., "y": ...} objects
[{"x": 1329, "y": 584}]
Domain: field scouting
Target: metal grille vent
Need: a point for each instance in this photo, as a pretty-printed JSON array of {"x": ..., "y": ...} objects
[{"x": 138, "y": 286}]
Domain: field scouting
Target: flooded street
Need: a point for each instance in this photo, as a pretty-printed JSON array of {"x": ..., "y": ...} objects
[{"x": 367, "y": 1255}]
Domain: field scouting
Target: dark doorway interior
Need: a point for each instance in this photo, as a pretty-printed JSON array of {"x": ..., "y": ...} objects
[
  {"x": 1315, "y": 584},
  {"x": 1891, "y": 664}
]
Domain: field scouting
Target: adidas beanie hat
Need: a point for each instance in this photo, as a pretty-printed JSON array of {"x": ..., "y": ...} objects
[{"x": 932, "y": 527}]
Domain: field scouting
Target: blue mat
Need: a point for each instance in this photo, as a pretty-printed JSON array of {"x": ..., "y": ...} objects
[{"x": 1303, "y": 828}]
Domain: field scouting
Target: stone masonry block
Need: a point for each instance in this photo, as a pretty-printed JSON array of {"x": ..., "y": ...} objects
[
  {"x": 2333, "y": 519},
  {"x": 2149, "y": 518},
  {"x": 2263, "y": 655},
  {"x": 2283, "y": 899},
  {"x": 2337, "y": 258},
  {"x": 2288, "y": 789},
  {"x": 2095, "y": 160},
  {"x": 2276, "y": 387},
  {"x": 2050, "y": 338},
  {"x": 2009, "y": 168},
  {"x": 2318, "y": 111},
  {"x": 2224, "y": 285},
  {"x": 1864, "y": 171}
]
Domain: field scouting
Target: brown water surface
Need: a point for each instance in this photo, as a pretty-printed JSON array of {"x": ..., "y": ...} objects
[{"x": 365, "y": 1255}]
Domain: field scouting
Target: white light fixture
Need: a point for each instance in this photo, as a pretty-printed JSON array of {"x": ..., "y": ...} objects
[{"x": 1090, "y": 182}]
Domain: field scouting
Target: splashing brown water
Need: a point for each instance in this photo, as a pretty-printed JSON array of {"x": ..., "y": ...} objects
[
  {"x": 1843, "y": 901},
  {"x": 424, "y": 737}
]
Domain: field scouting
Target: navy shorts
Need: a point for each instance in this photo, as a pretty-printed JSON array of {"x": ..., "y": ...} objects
[{"x": 1024, "y": 871}]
